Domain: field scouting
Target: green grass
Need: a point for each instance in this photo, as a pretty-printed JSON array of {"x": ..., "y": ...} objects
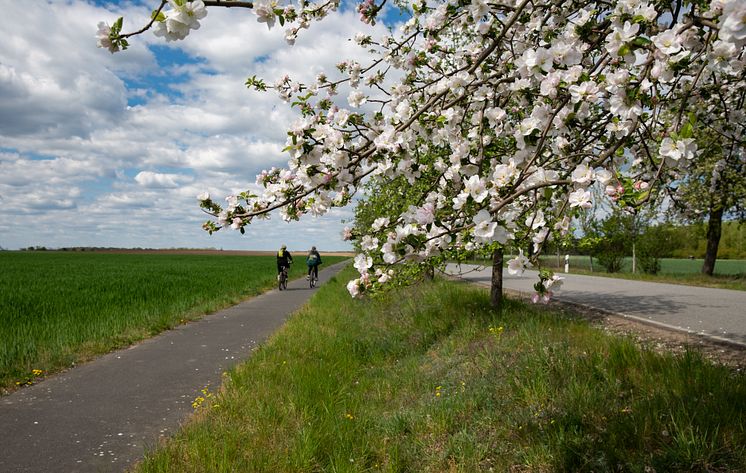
[
  {"x": 729, "y": 274},
  {"x": 57, "y": 309},
  {"x": 431, "y": 379}
]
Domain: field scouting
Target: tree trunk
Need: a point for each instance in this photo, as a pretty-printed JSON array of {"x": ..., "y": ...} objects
[
  {"x": 714, "y": 229},
  {"x": 634, "y": 258},
  {"x": 496, "y": 290}
]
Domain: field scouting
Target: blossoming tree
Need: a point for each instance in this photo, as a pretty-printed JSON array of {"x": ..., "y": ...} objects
[{"x": 505, "y": 113}]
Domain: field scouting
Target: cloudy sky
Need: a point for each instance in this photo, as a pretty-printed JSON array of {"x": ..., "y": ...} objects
[{"x": 111, "y": 150}]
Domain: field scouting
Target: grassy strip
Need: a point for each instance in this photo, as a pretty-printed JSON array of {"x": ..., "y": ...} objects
[
  {"x": 57, "y": 309},
  {"x": 430, "y": 379}
]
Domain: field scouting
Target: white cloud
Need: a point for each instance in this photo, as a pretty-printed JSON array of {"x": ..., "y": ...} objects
[
  {"x": 78, "y": 166},
  {"x": 155, "y": 180}
]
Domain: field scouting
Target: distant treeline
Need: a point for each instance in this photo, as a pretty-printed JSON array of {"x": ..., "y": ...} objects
[
  {"x": 671, "y": 241},
  {"x": 111, "y": 248}
]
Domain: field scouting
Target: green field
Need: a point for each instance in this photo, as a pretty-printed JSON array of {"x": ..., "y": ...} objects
[
  {"x": 729, "y": 274},
  {"x": 431, "y": 379},
  {"x": 57, "y": 309}
]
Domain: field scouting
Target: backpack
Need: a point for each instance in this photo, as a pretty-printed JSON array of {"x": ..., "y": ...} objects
[{"x": 312, "y": 258}]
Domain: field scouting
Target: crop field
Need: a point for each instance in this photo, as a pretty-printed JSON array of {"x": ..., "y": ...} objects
[{"x": 57, "y": 309}]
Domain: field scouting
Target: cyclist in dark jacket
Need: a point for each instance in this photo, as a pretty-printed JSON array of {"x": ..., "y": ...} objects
[
  {"x": 313, "y": 260},
  {"x": 284, "y": 259}
]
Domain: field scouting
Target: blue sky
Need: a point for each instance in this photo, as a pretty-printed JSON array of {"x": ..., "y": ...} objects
[{"x": 111, "y": 150}]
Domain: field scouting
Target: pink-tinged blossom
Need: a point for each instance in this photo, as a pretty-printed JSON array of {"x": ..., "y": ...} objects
[
  {"x": 614, "y": 191},
  {"x": 362, "y": 263},
  {"x": 203, "y": 196},
  {"x": 353, "y": 287},
  {"x": 554, "y": 283},
  {"x": 265, "y": 12},
  {"x": 347, "y": 234},
  {"x": 104, "y": 38},
  {"x": 379, "y": 223},
  {"x": 369, "y": 243},
  {"x": 425, "y": 214}
]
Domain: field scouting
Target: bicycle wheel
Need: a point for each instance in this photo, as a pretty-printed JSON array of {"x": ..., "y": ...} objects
[{"x": 312, "y": 281}]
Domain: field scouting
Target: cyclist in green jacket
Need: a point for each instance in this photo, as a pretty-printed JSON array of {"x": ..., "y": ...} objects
[{"x": 313, "y": 260}]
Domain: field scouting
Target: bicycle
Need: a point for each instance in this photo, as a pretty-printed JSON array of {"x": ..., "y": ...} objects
[
  {"x": 282, "y": 282},
  {"x": 312, "y": 279}
]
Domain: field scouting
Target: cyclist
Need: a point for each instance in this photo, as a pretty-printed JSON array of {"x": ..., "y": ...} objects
[
  {"x": 284, "y": 260},
  {"x": 313, "y": 260}
]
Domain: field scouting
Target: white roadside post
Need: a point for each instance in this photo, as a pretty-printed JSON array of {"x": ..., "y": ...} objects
[{"x": 567, "y": 263}]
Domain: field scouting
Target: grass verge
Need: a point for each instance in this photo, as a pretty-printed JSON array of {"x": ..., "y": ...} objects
[
  {"x": 57, "y": 309},
  {"x": 431, "y": 379}
]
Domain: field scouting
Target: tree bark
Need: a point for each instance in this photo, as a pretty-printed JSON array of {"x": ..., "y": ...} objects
[
  {"x": 714, "y": 230},
  {"x": 496, "y": 289}
]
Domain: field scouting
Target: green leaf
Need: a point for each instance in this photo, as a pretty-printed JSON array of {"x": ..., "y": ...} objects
[
  {"x": 624, "y": 50},
  {"x": 641, "y": 41},
  {"x": 687, "y": 131},
  {"x": 158, "y": 16}
]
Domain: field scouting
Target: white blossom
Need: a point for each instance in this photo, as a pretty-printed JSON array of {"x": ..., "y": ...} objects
[
  {"x": 580, "y": 198},
  {"x": 518, "y": 264}
]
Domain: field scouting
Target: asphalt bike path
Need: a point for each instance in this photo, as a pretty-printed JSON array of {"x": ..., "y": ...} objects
[
  {"x": 101, "y": 416},
  {"x": 719, "y": 314}
]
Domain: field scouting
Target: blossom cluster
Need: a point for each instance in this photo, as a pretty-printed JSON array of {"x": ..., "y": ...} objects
[{"x": 500, "y": 118}]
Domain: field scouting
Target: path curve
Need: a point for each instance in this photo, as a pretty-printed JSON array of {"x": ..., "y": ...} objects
[
  {"x": 102, "y": 416},
  {"x": 719, "y": 314}
]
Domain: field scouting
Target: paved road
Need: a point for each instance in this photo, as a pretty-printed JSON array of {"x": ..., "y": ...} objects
[
  {"x": 716, "y": 313},
  {"x": 101, "y": 416}
]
